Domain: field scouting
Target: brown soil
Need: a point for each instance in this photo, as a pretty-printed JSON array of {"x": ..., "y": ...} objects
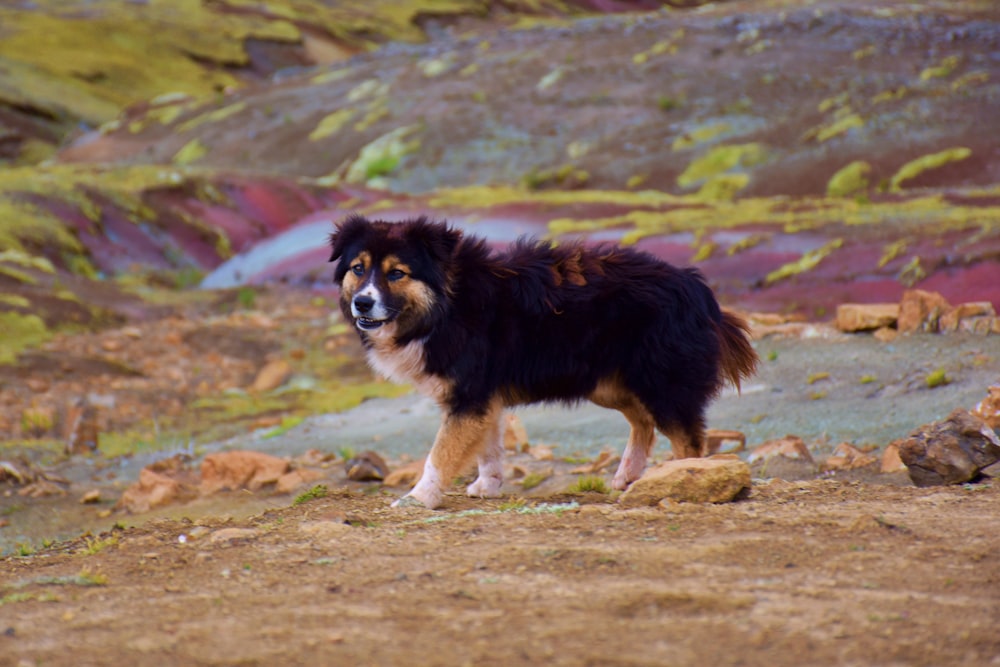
[{"x": 819, "y": 572}]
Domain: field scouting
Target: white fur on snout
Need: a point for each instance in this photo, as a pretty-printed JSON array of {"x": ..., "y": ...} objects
[{"x": 378, "y": 311}]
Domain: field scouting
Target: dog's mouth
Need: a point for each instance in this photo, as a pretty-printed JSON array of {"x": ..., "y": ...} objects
[{"x": 368, "y": 324}]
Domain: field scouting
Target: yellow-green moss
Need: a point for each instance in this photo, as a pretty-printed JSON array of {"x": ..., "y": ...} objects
[
  {"x": 212, "y": 116},
  {"x": 849, "y": 180},
  {"x": 839, "y": 126},
  {"x": 389, "y": 149},
  {"x": 721, "y": 159},
  {"x": 807, "y": 262},
  {"x": 945, "y": 68},
  {"x": 20, "y": 331},
  {"x": 722, "y": 188},
  {"x": 190, "y": 152},
  {"x": 914, "y": 168},
  {"x": 331, "y": 124},
  {"x": 700, "y": 135}
]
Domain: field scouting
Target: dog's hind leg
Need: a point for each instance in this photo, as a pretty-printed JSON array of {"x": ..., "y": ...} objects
[
  {"x": 641, "y": 437},
  {"x": 490, "y": 479},
  {"x": 686, "y": 441},
  {"x": 459, "y": 438}
]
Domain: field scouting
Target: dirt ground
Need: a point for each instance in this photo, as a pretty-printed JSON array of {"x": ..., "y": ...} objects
[{"x": 817, "y": 572}]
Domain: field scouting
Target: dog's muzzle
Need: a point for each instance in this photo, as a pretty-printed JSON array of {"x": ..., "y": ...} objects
[{"x": 366, "y": 312}]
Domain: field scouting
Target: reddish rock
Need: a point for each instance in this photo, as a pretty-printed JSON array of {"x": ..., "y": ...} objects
[
  {"x": 296, "y": 478},
  {"x": 853, "y": 317},
  {"x": 847, "y": 457},
  {"x": 789, "y": 447},
  {"x": 890, "y": 458},
  {"x": 975, "y": 316},
  {"x": 717, "y": 440},
  {"x": 988, "y": 409},
  {"x": 366, "y": 467},
  {"x": 515, "y": 436},
  {"x": 406, "y": 475},
  {"x": 240, "y": 470},
  {"x": 713, "y": 480},
  {"x": 271, "y": 376},
  {"x": 952, "y": 451},
  {"x": 920, "y": 310},
  {"x": 152, "y": 490}
]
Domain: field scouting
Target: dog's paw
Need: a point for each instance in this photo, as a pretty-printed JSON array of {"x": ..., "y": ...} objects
[{"x": 485, "y": 487}]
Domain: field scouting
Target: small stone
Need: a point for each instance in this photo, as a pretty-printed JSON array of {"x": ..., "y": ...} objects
[
  {"x": 406, "y": 475},
  {"x": 542, "y": 453},
  {"x": 37, "y": 385},
  {"x": 231, "y": 535},
  {"x": 605, "y": 459},
  {"x": 952, "y": 451},
  {"x": 91, "y": 497},
  {"x": 719, "y": 440},
  {"x": 885, "y": 334},
  {"x": 847, "y": 457},
  {"x": 890, "y": 458},
  {"x": 789, "y": 447},
  {"x": 716, "y": 480},
  {"x": 324, "y": 529},
  {"x": 853, "y": 317},
  {"x": 132, "y": 332},
  {"x": 515, "y": 436},
  {"x": 240, "y": 469},
  {"x": 366, "y": 467},
  {"x": 920, "y": 310},
  {"x": 271, "y": 376},
  {"x": 152, "y": 490},
  {"x": 111, "y": 345},
  {"x": 296, "y": 478},
  {"x": 988, "y": 409},
  {"x": 973, "y": 310}
]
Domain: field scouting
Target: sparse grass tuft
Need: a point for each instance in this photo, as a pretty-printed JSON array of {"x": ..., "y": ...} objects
[
  {"x": 589, "y": 483},
  {"x": 532, "y": 479},
  {"x": 318, "y": 491}
]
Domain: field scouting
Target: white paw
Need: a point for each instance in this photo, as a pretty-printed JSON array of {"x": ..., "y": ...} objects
[
  {"x": 629, "y": 471},
  {"x": 485, "y": 487},
  {"x": 408, "y": 501},
  {"x": 420, "y": 496}
]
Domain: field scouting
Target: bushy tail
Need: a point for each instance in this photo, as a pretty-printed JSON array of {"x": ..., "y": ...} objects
[{"x": 739, "y": 359}]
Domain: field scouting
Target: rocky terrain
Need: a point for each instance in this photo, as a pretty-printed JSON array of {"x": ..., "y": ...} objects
[{"x": 185, "y": 419}]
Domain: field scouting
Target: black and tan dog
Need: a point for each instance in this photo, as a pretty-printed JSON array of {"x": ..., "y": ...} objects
[{"x": 479, "y": 331}]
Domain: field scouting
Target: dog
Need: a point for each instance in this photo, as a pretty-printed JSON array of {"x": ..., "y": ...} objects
[{"x": 479, "y": 331}]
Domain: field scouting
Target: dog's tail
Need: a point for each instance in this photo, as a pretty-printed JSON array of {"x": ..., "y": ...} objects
[{"x": 739, "y": 359}]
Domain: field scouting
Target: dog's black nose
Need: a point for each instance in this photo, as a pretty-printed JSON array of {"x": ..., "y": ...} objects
[{"x": 364, "y": 303}]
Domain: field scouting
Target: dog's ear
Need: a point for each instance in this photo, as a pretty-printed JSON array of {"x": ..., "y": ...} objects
[
  {"x": 437, "y": 238},
  {"x": 350, "y": 230}
]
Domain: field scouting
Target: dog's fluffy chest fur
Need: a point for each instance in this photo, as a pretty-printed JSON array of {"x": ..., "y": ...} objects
[{"x": 404, "y": 365}]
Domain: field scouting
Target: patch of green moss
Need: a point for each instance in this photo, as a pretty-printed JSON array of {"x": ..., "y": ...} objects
[
  {"x": 388, "y": 149},
  {"x": 720, "y": 160},
  {"x": 20, "y": 331},
  {"x": 916, "y": 167},
  {"x": 190, "y": 152},
  {"x": 849, "y": 180},
  {"x": 213, "y": 116},
  {"x": 700, "y": 135},
  {"x": 331, "y": 124},
  {"x": 807, "y": 262},
  {"x": 942, "y": 70},
  {"x": 839, "y": 126},
  {"x": 722, "y": 188}
]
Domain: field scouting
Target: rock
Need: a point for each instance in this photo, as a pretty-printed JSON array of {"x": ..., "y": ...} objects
[
  {"x": 920, "y": 310},
  {"x": 890, "y": 458},
  {"x": 91, "y": 497},
  {"x": 719, "y": 440},
  {"x": 885, "y": 334},
  {"x": 240, "y": 470},
  {"x": 542, "y": 453},
  {"x": 847, "y": 457},
  {"x": 152, "y": 490},
  {"x": 790, "y": 447},
  {"x": 324, "y": 529},
  {"x": 515, "y": 436},
  {"x": 231, "y": 535},
  {"x": 271, "y": 376},
  {"x": 980, "y": 326},
  {"x": 604, "y": 460},
  {"x": 366, "y": 467},
  {"x": 406, "y": 475},
  {"x": 988, "y": 409},
  {"x": 296, "y": 478},
  {"x": 37, "y": 385},
  {"x": 853, "y": 317},
  {"x": 968, "y": 317},
  {"x": 314, "y": 457},
  {"x": 712, "y": 480},
  {"x": 952, "y": 451},
  {"x": 83, "y": 433}
]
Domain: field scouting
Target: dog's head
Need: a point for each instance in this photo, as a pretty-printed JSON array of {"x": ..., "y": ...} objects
[{"x": 393, "y": 277}]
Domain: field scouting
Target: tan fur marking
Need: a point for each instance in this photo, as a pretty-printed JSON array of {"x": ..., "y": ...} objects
[
  {"x": 610, "y": 393},
  {"x": 349, "y": 284},
  {"x": 459, "y": 439}
]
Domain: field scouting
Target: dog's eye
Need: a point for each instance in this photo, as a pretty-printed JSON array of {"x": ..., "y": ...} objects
[
  {"x": 358, "y": 269},
  {"x": 395, "y": 275}
]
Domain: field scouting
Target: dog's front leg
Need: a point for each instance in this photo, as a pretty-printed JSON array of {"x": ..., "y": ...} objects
[
  {"x": 490, "y": 479},
  {"x": 459, "y": 438}
]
